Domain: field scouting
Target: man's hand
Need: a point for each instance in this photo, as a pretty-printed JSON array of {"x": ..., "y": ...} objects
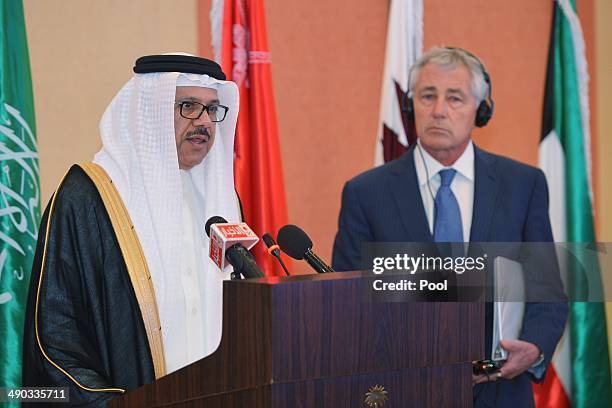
[{"x": 521, "y": 356}]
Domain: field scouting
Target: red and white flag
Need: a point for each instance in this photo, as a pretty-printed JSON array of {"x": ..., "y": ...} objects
[
  {"x": 404, "y": 46},
  {"x": 240, "y": 43}
]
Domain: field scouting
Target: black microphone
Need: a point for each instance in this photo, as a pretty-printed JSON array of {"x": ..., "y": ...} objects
[
  {"x": 296, "y": 243},
  {"x": 215, "y": 219},
  {"x": 237, "y": 255},
  {"x": 273, "y": 250}
]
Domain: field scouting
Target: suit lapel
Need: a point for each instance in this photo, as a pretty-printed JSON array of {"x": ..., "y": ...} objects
[
  {"x": 406, "y": 193},
  {"x": 485, "y": 194}
]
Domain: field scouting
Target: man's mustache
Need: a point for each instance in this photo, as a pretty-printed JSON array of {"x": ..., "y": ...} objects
[{"x": 198, "y": 131}]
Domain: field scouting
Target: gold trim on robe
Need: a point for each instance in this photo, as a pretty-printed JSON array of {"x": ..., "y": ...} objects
[
  {"x": 134, "y": 260},
  {"x": 136, "y": 265}
]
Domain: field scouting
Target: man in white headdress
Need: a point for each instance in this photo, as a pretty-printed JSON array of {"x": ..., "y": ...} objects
[{"x": 122, "y": 289}]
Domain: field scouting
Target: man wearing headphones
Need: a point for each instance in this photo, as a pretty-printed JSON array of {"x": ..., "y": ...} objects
[{"x": 446, "y": 189}]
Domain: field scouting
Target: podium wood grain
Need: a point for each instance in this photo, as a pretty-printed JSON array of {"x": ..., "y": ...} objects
[{"x": 316, "y": 340}]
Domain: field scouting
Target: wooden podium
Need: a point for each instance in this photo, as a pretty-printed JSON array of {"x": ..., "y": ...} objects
[{"x": 316, "y": 341}]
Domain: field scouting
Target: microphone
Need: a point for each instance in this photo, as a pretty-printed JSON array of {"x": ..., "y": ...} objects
[
  {"x": 295, "y": 243},
  {"x": 273, "y": 250},
  {"x": 230, "y": 243}
]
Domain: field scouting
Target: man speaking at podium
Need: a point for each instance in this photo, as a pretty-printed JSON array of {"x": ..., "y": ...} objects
[
  {"x": 122, "y": 290},
  {"x": 477, "y": 197}
]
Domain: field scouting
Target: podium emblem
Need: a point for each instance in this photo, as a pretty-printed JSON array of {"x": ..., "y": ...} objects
[{"x": 376, "y": 396}]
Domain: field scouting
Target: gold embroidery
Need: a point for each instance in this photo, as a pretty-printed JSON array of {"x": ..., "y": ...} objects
[{"x": 134, "y": 260}]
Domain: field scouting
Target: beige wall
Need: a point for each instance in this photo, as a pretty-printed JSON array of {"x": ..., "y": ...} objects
[
  {"x": 327, "y": 63},
  {"x": 81, "y": 53},
  {"x": 604, "y": 119},
  {"x": 603, "y": 78}
]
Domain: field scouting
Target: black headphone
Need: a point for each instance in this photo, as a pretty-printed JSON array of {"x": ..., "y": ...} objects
[{"x": 485, "y": 109}]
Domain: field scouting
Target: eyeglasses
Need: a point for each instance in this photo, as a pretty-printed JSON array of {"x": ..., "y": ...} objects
[{"x": 193, "y": 110}]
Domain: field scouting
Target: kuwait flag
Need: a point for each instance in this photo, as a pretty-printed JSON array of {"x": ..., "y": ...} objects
[
  {"x": 240, "y": 42},
  {"x": 404, "y": 46},
  {"x": 19, "y": 187},
  {"x": 580, "y": 374}
]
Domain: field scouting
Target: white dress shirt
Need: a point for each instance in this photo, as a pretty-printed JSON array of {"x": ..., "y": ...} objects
[{"x": 462, "y": 186}]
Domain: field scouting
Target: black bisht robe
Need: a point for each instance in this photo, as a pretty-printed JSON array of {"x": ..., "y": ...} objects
[{"x": 89, "y": 320}]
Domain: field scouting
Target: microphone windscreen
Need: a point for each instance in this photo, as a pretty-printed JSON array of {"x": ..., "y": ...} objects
[
  {"x": 268, "y": 240},
  {"x": 214, "y": 220},
  {"x": 294, "y": 241}
]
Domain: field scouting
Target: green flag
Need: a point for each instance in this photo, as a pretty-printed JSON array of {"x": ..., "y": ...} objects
[
  {"x": 589, "y": 346},
  {"x": 581, "y": 364},
  {"x": 19, "y": 187}
]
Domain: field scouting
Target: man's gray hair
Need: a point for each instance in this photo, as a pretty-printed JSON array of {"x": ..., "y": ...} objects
[{"x": 451, "y": 58}]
